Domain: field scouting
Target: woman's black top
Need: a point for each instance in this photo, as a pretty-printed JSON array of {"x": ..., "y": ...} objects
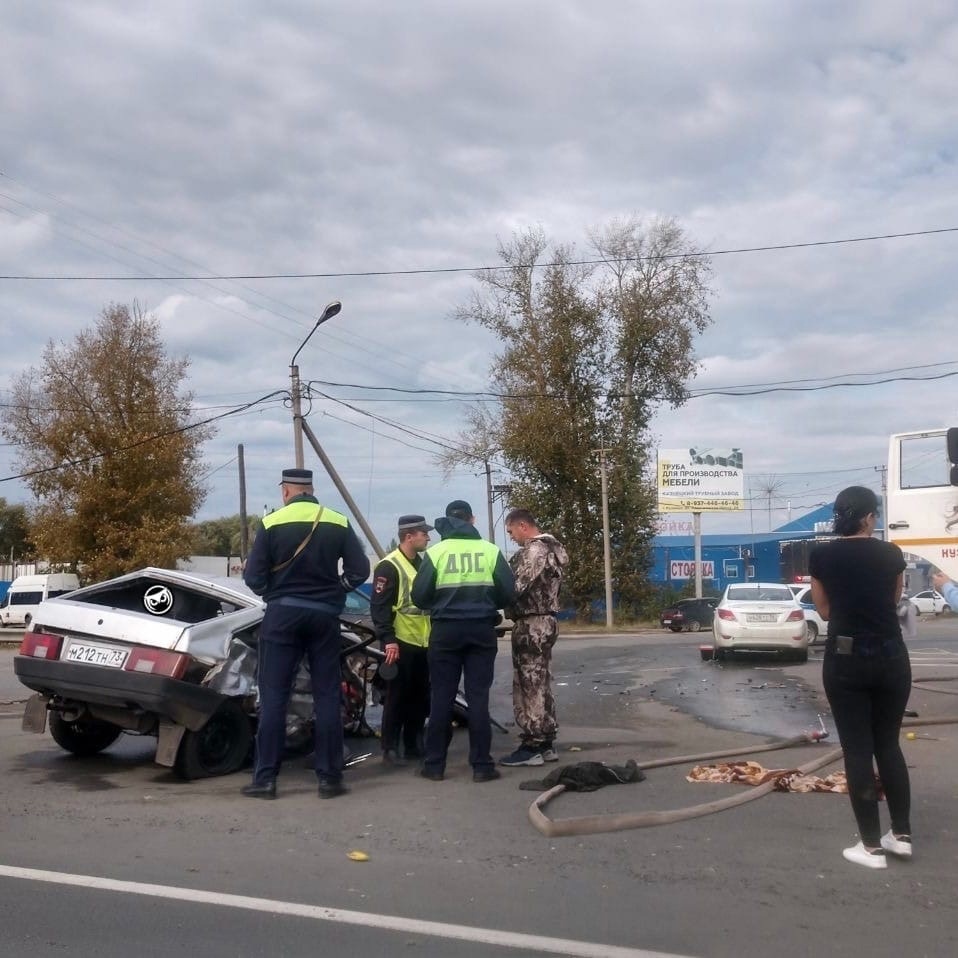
[{"x": 859, "y": 576}]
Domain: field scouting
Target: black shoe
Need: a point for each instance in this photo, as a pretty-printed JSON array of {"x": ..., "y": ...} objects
[
  {"x": 432, "y": 775},
  {"x": 486, "y": 775},
  {"x": 266, "y": 790},
  {"x": 331, "y": 789},
  {"x": 392, "y": 758}
]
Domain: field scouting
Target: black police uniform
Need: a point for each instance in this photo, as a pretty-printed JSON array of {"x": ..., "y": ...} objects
[{"x": 294, "y": 565}]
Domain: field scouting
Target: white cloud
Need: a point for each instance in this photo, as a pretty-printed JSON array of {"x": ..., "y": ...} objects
[{"x": 224, "y": 138}]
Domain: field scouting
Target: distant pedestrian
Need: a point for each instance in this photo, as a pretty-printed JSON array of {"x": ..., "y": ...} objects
[
  {"x": 947, "y": 588},
  {"x": 403, "y": 630},
  {"x": 538, "y": 568},
  {"x": 856, "y": 585},
  {"x": 294, "y": 564},
  {"x": 463, "y": 582}
]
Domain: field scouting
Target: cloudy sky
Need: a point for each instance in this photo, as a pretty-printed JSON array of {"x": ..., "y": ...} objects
[{"x": 199, "y": 139}]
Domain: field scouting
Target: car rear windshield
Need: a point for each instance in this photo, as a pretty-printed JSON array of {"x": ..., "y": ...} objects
[
  {"x": 755, "y": 594},
  {"x": 178, "y": 602}
]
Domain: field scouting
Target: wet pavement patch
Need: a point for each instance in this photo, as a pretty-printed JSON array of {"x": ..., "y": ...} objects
[{"x": 742, "y": 697}]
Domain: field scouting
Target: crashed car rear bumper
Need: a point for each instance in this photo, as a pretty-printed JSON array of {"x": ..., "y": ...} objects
[{"x": 182, "y": 702}]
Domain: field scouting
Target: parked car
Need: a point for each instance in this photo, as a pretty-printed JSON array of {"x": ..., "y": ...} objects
[
  {"x": 689, "y": 615},
  {"x": 816, "y": 625},
  {"x": 173, "y": 655},
  {"x": 760, "y": 617},
  {"x": 930, "y": 602}
]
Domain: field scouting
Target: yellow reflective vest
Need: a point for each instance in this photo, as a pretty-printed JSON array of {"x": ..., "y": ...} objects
[{"x": 410, "y": 622}]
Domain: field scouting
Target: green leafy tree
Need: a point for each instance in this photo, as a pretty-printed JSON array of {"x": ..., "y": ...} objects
[
  {"x": 14, "y": 531},
  {"x": 107, "y": 447},
  {"x": 221, "y": 537},
  {"x": 589, "y": 353}
]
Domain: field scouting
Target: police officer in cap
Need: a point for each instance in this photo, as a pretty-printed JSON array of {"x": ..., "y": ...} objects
[
  {"x": 294, "y": 564},
  {"x": 463, "y": 582},
  {"x": 403, "y": 630}
]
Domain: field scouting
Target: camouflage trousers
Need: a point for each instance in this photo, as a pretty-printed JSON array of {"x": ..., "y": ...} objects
[{"x": 532, "y": 700}]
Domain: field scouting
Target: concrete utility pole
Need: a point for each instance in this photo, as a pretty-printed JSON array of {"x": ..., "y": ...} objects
[
  {"x": 492, "y": 527},
  {"x": 606, "y": 546},
  {"x": 697, "y": 532},
  {"x": 502, "y": 493},
  {"x": 884, "y": 499},
  {"x": 244, "y": 525},
  {"x": 343, "y": 491},
  {"x": 296, "y": 389}
]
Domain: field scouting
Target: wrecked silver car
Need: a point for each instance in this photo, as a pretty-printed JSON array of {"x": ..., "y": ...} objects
[{"x": 173, "y": 655}]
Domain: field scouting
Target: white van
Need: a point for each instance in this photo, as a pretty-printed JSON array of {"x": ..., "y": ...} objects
[{"x": 28, "y": 591}]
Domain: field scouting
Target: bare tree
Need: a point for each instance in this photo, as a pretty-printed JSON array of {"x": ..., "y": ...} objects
[{"x": 770, "y": 487}]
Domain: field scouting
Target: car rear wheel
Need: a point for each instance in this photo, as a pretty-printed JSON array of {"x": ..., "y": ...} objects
[
  {"x": 83, "y": 736},
  {"x": 812, "y": 630},
  {"x": 694, "y": 625},
  {"x": 946, "y": 608},
  {"x": 219, "y": 748},
  {"x": 800, "y": 656}
]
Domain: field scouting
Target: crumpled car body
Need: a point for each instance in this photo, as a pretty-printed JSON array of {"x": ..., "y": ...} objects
[{"x": 173, "y": 655}]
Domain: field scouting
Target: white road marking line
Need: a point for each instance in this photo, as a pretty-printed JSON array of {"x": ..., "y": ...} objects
[{"x": 436, "y": 929}]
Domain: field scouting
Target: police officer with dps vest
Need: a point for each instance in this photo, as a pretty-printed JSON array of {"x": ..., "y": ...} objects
[
  {"x": 294, "y": 565},
  {"x": 463, "y": 582},
  {"x": 403, "y": 630}
]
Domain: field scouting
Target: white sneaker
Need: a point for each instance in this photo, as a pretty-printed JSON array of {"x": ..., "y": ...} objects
[
  {"x": 861, "y": 856},
  {"x": 897, "y": 846},
  {"x": 550, "y": 754}
]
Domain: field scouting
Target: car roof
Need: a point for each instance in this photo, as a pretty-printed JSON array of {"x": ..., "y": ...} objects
[{"x": 757, "y": 585}]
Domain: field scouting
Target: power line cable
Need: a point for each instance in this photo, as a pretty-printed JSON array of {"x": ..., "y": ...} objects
[
  {"x": 133, "y": 445},
  {"x": 363, "y": 344},
  {"x": 424, "y": 271},
  {"x": 811, "y": 389}
]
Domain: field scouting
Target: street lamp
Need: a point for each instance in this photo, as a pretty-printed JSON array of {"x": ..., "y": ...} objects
[{"x": 294, "y": 387}]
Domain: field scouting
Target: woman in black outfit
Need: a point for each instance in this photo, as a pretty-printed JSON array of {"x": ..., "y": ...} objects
[{"x": 856, "y": 584}]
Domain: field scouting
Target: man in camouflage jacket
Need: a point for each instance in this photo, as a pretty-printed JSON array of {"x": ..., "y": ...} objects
[{"x": 538, "y": 567}]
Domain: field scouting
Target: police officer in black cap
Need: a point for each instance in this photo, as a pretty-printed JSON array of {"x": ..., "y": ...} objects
[
  {"x": 294, "y": 565},
  {"x": 403, "y": 630}
]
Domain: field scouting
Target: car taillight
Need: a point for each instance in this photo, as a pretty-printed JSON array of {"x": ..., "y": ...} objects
[
  {"x": 796, "y": 616},
  {"x": 726, "y": 614},
  {"x": 157, "y": 662},
  {"x": 41, "y": 645}
]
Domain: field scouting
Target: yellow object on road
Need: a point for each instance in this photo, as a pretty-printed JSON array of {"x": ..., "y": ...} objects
[{"x": 358, "y": 856}]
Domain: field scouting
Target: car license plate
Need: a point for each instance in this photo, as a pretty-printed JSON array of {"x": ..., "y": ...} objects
[
  {"x": 96, "y": 655},
  {"x": 763, "y": 617},
  {"x": 666, "y": 622}
]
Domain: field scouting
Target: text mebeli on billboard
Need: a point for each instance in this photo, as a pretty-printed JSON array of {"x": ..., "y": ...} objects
[{"x": 701, "y": 480}]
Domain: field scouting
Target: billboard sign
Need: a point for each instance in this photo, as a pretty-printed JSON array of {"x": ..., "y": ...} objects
[
  {"x": 701, "y": 480},
  {"x": 685, "y": 569}
]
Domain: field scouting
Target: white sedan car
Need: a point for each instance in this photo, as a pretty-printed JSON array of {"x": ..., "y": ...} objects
[
  {"x": 930, "y": 602},
  {"x": 816, "y": 625},
  {"x": 760, "y": 617}
]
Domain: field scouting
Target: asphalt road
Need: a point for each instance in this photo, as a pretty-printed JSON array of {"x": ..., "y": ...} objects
[{"x": 114, "y": 856}]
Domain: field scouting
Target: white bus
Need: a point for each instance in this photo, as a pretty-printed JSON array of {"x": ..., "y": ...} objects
[{"x": 922, "y": 497}]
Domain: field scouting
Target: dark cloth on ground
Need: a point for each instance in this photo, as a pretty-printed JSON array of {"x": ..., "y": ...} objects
[{"x": 587, "y": 777}]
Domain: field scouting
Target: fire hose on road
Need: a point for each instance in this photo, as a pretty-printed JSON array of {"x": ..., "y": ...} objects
[{"x": 623, "y": 821}]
